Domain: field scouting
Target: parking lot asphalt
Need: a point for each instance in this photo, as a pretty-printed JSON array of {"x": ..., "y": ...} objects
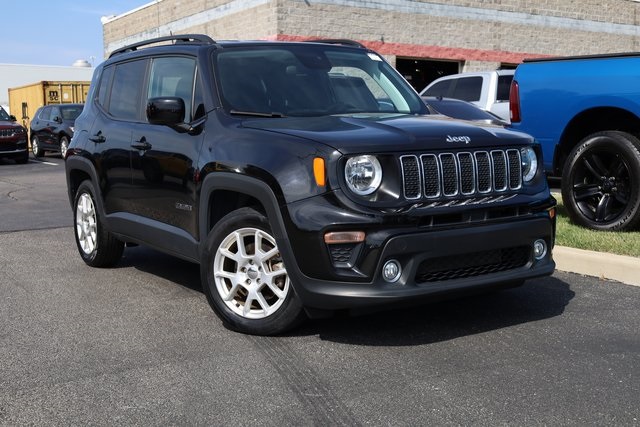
[{"x": 138, "y": 344}]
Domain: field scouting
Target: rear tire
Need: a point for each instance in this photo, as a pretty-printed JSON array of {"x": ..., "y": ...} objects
[
  {"x": 35, "y": 147},
  {"x": 601, "y": 182},
  {"x": 64, "y": 146},
  {"x": 244, "y": 276},
  {"x": 97, "y": 247}
]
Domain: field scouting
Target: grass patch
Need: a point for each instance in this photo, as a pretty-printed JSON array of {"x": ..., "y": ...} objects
[{"x": 574, "y": 236}]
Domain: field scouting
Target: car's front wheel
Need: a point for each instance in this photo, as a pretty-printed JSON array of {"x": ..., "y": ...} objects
[
  {"x": 244, "y": 276},
  {"x": 64, "y": 145},
  {"x": 601, "y": 182},
  {"x": 97, "y": 247},
  {"x": 35, "y": 147}
]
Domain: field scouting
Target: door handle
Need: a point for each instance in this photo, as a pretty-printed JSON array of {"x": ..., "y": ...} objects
[
  {"x": 98, "y": 138},
  {"x": 141, "y": 144}
]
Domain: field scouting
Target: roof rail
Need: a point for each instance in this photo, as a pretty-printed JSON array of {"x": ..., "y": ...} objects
[
  {"x": 179, "y": 38},
  {"x": 345, "y": 42}
]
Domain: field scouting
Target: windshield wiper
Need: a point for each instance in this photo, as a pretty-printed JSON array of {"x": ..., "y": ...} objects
[{"x": 256, "y": 114}]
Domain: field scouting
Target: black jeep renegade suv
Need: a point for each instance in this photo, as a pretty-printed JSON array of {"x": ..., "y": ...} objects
[{"x": 303, "y": 177}]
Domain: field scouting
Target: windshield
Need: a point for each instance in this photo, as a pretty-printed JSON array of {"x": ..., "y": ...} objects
[
  {"x": 70, "y": 113},
  {"x": 310, "y": 80},
  {"x": 4, "y": 117}
]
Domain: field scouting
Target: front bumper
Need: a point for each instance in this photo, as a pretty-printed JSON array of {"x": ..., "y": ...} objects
[{"x": 434, "y": 262}]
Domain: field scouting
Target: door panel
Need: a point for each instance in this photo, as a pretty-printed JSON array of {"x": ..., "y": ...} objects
[{"x": 163, "y": 160}]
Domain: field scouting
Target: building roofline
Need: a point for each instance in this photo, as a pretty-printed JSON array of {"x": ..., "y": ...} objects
[{"x": 108, "y": 19}]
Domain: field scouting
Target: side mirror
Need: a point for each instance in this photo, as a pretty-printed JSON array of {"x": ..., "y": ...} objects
[
  {"x": 168, "y": 111},
  {"x": 12, "y": 118},
  {"x": 57, "y": 119}
]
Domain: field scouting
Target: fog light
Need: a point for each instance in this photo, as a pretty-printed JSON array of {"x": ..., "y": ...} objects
[
  {"x": 391, "y": 271},
  {"x": 539, "y": 249}
]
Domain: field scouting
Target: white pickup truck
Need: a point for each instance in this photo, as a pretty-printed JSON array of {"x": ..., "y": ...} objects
[{"x": 488, "y": 90}]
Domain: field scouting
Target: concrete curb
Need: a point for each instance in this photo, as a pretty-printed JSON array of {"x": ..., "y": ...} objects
[{"x": 624, "y": 269}]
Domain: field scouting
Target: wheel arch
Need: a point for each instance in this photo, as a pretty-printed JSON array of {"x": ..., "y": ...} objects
[
  {"x": 79, "y": 169},
  {"x": 589, "y": 122},
  {"x": 224, "y": 192}
]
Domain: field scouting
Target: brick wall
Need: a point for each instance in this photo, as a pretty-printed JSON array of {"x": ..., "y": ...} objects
[{"x": 480, "y": 34}]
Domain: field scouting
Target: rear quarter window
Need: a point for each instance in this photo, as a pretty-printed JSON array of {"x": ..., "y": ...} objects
[{"x": 504, "y": 85}]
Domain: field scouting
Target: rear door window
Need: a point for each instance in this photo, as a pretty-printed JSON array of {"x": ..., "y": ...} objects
[
  {"x": 468, "y": 89},
  {"x": 126, "y": 90}
]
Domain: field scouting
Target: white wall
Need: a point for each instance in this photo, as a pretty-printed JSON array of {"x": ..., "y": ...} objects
[{"x": 16, "y": 75}]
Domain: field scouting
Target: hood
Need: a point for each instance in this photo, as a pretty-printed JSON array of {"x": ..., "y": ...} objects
[
  {"x": 5, "y": 124},
  {"x": 390, "y": 133}
]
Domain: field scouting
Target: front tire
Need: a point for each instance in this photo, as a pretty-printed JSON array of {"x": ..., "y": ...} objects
[
  {"x": 601, "y": 182},
  {"x": 97, "y": 247},
  {"x": 244, "y": 276}
]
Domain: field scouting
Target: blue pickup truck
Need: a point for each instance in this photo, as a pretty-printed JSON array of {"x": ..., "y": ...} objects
[{"x": 585, "y": 112}]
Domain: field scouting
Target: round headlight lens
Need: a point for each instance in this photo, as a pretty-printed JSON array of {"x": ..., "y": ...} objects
[
  {"x": 529, "y": 163},
  {"x": 363, "y": 174}
]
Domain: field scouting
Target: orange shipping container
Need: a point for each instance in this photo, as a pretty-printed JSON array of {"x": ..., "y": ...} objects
[{"x": 24, "y": 101}]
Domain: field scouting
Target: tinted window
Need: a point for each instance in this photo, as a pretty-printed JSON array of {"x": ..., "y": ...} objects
[
  {"x": 55, "y": 113},
  {"x": 173, "y": 76},
  {"x": 504, "y": 85},
  {"x": 124, "y": 102},
  {"x": 468, "y": 89},
  {"x": 70, "y": 113},
  {"x": 45, "y": 113},
  {"x": 439, "y": 89},
  {"x": 103, "y": 90}
]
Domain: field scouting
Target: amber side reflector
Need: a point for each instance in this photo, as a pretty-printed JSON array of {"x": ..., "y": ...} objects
[
  {"x": 344, "y": 237},
  {"x": 552, "y": 213},
  {"x": 318, "y": 171}
]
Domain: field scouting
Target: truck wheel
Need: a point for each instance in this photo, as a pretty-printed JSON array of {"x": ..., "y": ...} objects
[
  {"x": 244, "y": 276},
  {"x": 64, "y": 145},
  {"x": 601, "y": 182},
  {"x": 97, "y": 247},
  {"x": 35, "y": 147}
]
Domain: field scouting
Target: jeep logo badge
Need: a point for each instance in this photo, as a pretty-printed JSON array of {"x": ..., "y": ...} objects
[{"x": 465, "y": 139}]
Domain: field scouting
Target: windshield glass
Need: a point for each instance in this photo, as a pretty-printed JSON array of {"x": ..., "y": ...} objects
[
  {"x": 70, "y": 113},
  {"x": 3, "y": 115},
  {"x": 311, "y": 80}
]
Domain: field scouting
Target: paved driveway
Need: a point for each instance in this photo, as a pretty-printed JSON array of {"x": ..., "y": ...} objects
[{"x": 138, "y": 344}]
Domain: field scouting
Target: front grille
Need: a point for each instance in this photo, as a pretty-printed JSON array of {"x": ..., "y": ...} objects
[
  {"x": 7, "y": 133},
  {"x": 473, "y": 264},
  {"x": 465, "y": 174}
]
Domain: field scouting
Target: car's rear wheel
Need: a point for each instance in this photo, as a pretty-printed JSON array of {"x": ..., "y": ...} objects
[
  {"x": 601, "y": 182},
  {"x": 97, "y": 247},
  {"x": 244, "y": 276},
  {"x": 35, "y": 147},
  {"x": 64, "y": 145}
]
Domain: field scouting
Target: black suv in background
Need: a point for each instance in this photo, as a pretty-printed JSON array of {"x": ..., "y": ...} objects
[
  {"x": 52, "y": 128},
  {"x": 303, "y": 177},
  {"x": 13, "y": 139}
]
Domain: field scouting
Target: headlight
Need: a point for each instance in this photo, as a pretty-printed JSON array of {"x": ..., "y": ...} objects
[
  {"x": 529, "y": 163},
  {"x": 363, "y": 174}
]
